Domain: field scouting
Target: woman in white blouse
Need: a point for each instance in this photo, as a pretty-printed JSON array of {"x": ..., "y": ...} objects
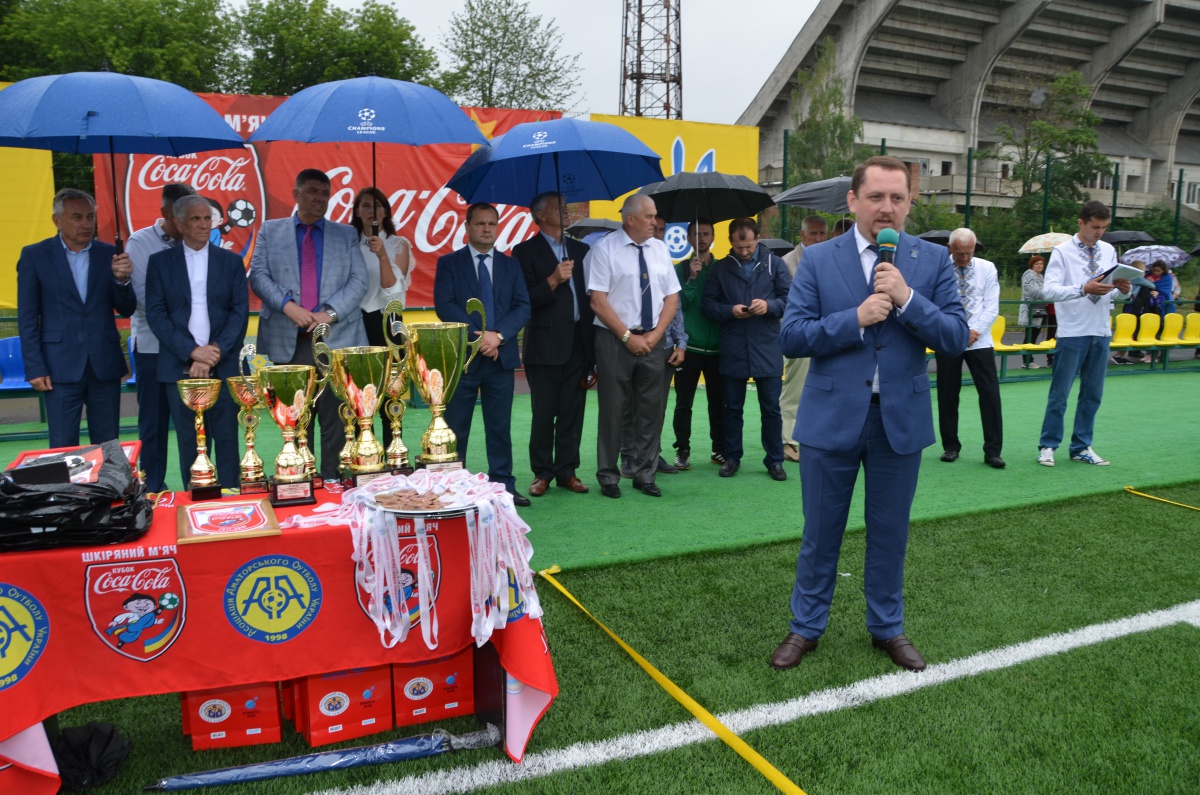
[{"x": 388, "y": 257}]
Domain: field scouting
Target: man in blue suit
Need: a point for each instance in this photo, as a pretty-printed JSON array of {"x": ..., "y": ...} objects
[
  {"x": 865, "y": 324},
  {"x": 197, "y": 305},
  {"x": 67, "y": 288},
  {"x": 308, "y": 270},
  {"x": 478, "y": 270}
]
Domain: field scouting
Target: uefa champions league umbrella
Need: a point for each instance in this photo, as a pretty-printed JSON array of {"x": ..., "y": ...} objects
[
  {"x": 98, "y": 112},
  {"x": 374, "y": 109}
]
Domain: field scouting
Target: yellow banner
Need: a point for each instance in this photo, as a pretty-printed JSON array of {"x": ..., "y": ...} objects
[
  {"x": 26, "y": 193},
  {"x": 688, "y": 146}
]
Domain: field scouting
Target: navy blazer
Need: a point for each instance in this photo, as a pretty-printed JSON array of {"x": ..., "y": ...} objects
[
  {"x": 60, "y": 332},
  {"x": 821, "y": 322},
  {"x": 456, "y": 280},
  {"x": 169, "y": 308},
  {"x": 749, "y": 347},
  {"x": 550, "y": 336}
]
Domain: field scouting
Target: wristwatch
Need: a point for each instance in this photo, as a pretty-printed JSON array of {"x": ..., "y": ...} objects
[
  {"x": 329, "y": 310},
  {"x": 500, "y": 337},
  {"x": 625, "y": 337}
]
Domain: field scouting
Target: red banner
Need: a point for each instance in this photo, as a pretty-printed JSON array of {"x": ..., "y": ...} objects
[{"x": 255, "y": 183}]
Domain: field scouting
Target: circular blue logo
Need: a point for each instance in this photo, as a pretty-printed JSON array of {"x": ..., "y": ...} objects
[
  {"x": 24, "y": 630},
  {"x": 272, "y": 599}
]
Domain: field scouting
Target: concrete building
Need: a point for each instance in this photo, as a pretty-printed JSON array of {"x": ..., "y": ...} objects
[{"x": 932, "y": 76}]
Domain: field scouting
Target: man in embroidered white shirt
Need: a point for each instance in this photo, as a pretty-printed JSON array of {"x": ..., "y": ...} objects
[
  {"x": 979, "y": 289},
  {"x": 1082, "y": 303}
]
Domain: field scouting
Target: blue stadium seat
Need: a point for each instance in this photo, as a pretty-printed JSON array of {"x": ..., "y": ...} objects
[{"x": 12, "y": 365}]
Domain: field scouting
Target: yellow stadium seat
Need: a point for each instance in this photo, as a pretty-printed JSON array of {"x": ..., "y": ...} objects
[
  {"x": 1191, "y": 330},
  {"x": 1172, "y": 326},
  {"x": 1147, "y": 333},
  {"x": 998, "y": 336},
  {"x": 1123, "y": 327}
]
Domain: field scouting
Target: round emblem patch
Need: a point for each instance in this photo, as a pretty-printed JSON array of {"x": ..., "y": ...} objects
[
  {"x": 24, "y": 630},
  {"x": 214, "y": 711},
  {"x": 418, "y": 688},
  {"x": 334, "y": 704},
  {"x": 272, "y": 599}
]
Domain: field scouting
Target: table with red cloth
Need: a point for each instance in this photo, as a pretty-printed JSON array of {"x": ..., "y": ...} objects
[{"x": 86, "y": 624}]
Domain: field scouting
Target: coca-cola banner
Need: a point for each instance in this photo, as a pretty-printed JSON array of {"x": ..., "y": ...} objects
[{"x": 255, "y": 183}]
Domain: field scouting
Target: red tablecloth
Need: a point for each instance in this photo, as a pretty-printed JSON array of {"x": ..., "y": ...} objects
[{"x": 85, "y": 624}]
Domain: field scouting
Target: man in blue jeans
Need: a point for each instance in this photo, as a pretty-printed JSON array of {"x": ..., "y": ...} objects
[{"x": 1082, "y": 303}]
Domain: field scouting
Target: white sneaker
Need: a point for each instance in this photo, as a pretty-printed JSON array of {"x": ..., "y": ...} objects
[
  {"x": 1046, "y": 456},
  {"x": 1088, "y": 456}
]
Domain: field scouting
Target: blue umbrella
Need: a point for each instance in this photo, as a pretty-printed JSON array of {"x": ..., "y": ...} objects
[
  {"x": 582, "y": 160},
  {"x": 97, "y": 112}
]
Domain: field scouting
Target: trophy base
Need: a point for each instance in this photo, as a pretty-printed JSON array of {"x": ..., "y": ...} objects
[
  {"x": 205, "y": 493},
  {"x": 254, "y": 487},
  {"x": 440, "y": 466},
  {"x": 284, "y": 495},
  {"x": 352, "y": 480},
  {"x": 402, "y": 470}
]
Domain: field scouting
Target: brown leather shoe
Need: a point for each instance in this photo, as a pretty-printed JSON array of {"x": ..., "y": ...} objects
[
  {"x": 538, "y": 487},
  {"x": 789, "y": 653},
  {"x": 902, "y": 652},
  {"x": 791, "y": 453},
  {"x": 573, "y": 484}
]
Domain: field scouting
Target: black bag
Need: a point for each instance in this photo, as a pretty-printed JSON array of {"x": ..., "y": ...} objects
[
  {"x": 109, "y": 506},
  {"x": 89, "y": 756}
]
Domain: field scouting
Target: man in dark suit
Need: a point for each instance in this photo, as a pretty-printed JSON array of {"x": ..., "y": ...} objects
[
  {"x": 308, "y": 270},
  {"x": 197, "y": 305},
  {"x": 67, "y": 288},
  {"x": 865, "y": 323},
  {"x": 558, "y": 346},
  {"x": 478, "y": 270}
]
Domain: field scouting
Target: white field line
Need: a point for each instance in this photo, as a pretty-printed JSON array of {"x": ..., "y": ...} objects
[{"x": 678, "y": 735}]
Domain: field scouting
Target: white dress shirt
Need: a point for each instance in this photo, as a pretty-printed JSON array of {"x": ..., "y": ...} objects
[
  {"x": 612, "y": 268},
  {"x": 979, "y": 287},
  {"x": 140, "y": 246},
  {"x": 1066, "y": 273},
  {"x": 377, "y": 297},
  {"x": 868, "y": 259},
  {"x": 197, "y": 270}
]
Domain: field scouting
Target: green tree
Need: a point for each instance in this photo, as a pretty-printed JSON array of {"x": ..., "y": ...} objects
[
  {"x": 189, "y": 42},
  {"x": 1052, "y": 121},
  {"x": 1158, "y": 220},
  {"x": 294, "y": 44},
  {"x": 928, "y": 215},
  {"x": 826, "y": 142},
  {"x": 503, "y": 56}
]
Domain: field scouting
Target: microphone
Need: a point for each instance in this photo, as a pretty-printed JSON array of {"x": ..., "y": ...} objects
[{"x": 887, "y": 240}]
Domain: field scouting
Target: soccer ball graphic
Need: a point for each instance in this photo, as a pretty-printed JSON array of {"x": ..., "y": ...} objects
[
  {"x": 366, "y": 115},
  {"x": 241, "y": 213}
]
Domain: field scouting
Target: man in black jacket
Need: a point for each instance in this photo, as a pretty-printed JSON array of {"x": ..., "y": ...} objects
[{"x": 558, "y": 346}]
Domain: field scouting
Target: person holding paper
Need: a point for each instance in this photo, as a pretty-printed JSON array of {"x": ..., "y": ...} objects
[{"x": 1075, "y": 281}]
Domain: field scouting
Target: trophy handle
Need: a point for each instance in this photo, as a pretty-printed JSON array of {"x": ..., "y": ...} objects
[
  {"x": 475, "y": 305},
  {"x": 322, "y": 357},
  {"x": 392, "y": 328},
  {"x": 245, "y": 356}
]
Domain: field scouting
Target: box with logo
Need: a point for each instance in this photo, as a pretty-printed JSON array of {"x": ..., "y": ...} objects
[
  {"x": 229, "y": 716},
  {"x": 343, "y": 705},
  {"x": 435, "y": 690}
]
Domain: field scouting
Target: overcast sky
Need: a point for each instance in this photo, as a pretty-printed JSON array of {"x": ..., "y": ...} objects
[{"x": 729, "y": 48}]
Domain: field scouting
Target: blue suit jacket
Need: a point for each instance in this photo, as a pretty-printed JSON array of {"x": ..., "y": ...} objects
[
  {"x": 821, "y": 322},
  {"x": 275, "y": 274},
  {"x": 169, "y": 308},
  {"x": 456, "y": 280},
  {"x": 60, "y": 333},
  {"x": 750, "y": 347}
]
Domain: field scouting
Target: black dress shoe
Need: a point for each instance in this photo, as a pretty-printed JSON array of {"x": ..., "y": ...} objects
[
  {"x": 776, "y": 472},
  {"x": 729, "y": 468},
  {"x": 902, "y": 652},
  {"x": 520, "y": 500},
  {"x": 950, "y": 456},
  {"x": 649, "y": 489},
  {"x": 994, "y": 461},
  {"x": 611, "y": 490},
  {"x": 789, "y": 653},
  {"x": 626, "y": 469},
  {"x": 665, "y": 468}
]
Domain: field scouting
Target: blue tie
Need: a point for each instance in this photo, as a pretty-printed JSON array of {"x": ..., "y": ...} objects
[
  {"x": 485, "y": 289},
  {"x": 644, "y": 281}
]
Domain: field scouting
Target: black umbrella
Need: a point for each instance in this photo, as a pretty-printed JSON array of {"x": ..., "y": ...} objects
[
  {"x": 1125, "y": 237},
  {"x": 778, "y": 246},
  {"x": 690, "y": 195},
  {"x": 826, "y": 195},
  {"x": 942, "y": 238},
  {"x": 586, "y": 226},
  {"x": 1196, "y": 251}
]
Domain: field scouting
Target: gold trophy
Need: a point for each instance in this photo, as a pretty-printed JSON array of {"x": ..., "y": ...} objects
[
  {"x": 359, "y": 376},
  {"x": 436, "y": 360},
  {"x": 286, "y": 392},
  {"x": 245, "y": 391},
  {"x": 199, "y": 395},
  {"x": 397, "y": 452}
]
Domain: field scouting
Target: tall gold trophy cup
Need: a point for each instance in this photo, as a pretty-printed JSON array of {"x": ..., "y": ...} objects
[
  {"x": 287, "y": 390},
  {"x": 359, "y": 376},
  {"x": 246, "y": 392},
  {"x": 199, "y": 395},
  {"x": 397, "y": 451},
  {"x": 437, "y": 358}
]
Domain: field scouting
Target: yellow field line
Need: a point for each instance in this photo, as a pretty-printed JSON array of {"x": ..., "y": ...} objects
[
  {"x": 782, "y": 782},
  {"x": 1131, "y": 490}
]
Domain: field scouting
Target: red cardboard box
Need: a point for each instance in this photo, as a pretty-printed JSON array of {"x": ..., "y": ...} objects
[
  {"x": 344, "y": 705},
  {"x": 229, "y": 716},
  {"x": 435, "y": 690}
]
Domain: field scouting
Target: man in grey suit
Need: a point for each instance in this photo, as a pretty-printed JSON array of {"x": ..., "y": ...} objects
[{"x": 308, "y": 271}]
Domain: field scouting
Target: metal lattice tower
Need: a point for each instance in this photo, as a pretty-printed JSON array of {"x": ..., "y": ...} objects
[{"x": 651, "y": 70}]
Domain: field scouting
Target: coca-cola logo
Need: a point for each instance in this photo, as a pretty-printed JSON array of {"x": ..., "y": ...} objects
[
  {"x": 213, "y": 174},
  {"x": 120, "y": 581},
  {"x": 136, "y": 608}
]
